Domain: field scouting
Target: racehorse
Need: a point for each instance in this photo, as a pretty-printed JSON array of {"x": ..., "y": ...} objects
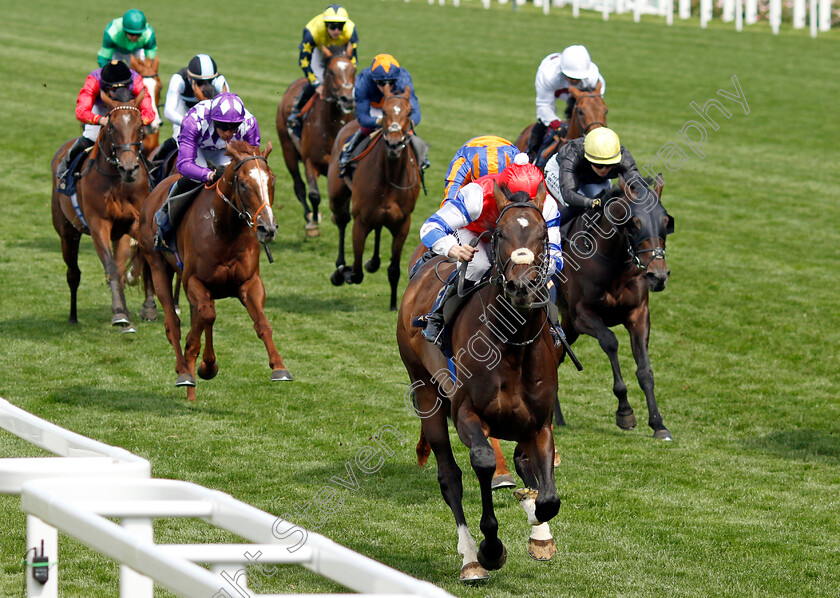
[
  {"x": 110, "y": 191},
  {"x": 382, "y": 193},
  {"x": 218, "y": 244},
  {"x": 323, "y": 121},
  {"x": 148, "y": 69},
  {"x": 588, "y": 112},
  {"x": 613, "y": 257},
  {"x": 505, "y": 379}
]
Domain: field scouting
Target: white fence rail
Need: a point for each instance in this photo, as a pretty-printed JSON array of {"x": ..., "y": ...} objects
[
  {"x": 94, "y": 481},
  {"x": 816, "y": 12}
]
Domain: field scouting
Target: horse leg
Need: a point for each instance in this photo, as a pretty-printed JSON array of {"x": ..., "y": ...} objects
[
  {"x": 149, "y": 310},
  {"x": 360, "y": 232},
  {"x": 422, "y": 449},
  {"x": 501, "y": 477},
  {"x": 638, "y": 325},
  {"x": 70, "y": 238},
  {"x": 491, "y": 553},
  {"x": 291, "y": 157},
  {"x": 313, "y": 217},
  {"x": 399, "y": 235},
  {"x": 122, "y": 253},
  {"x": 162, "y": 281},
  {"x": 589, "y": 323},
  {"x": 341, "y": 217},
  {"x": 100, "y": 231},
  {"x": 202, "y": 317},
  {"x": 252, "y": 296},
  {"x": 539, "y": 500},
  {"x": 372, "y": 265}
]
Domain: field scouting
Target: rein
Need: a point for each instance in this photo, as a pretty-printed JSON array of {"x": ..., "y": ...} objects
[
  {"x": 240, "y": 209},
  {"x": 118, "y": 149},
  {"x": 586, "y": 129}
]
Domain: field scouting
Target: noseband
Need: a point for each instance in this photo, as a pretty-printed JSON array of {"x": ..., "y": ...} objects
[
  {"x": 591, "y": 125},
  {"x": 542, "y": 260},
  {"x": 118, "y": 150},
  {"x": 240, "y": 208},
  {"x": 394, "y": 127}
]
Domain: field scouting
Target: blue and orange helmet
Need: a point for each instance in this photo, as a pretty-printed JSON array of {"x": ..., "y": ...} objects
[{"x": 385, "y": 67}]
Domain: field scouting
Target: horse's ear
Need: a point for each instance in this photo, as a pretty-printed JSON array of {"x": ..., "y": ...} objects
[
  {"x": 327, "y": 51},
  {"x": 500, "y": 196},
  {"x": 598, "y": 87},
  {"x": 539, "y": 200},
  {"x": 106, "y": 99},
  {"x": 658, "y": 184},
  {"x": 669, "y": 224},
  {"x": 575, "y": 92},
  {"x": 267, "y": 149},
  {"x": 407, "y": 93},
  {"x": 139, "y": 97}
]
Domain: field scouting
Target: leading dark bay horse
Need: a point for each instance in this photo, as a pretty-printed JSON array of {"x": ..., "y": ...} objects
[
  {"x": 613, "y": 257},
  {"x": 588, "y": 112},
  {"x": 320, "y": 127},
  {"x": 112, "y": 187},
  {"x": 505, "y": 382},
  {"x": 382, "y": 193},
  {"x": 218, "y": 243},
  {"x": 148, "y": 69}
]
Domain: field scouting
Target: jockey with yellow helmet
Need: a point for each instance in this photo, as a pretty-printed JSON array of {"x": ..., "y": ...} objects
[
  {"x": 474, "y": 211},
  {"x": 478, "y": 157},
  {"x": 332, "y": 27},
  {"x": 556, "y": 74},
  {"x": 579, "y": 174},
  {"x": 127, "y": 36}
]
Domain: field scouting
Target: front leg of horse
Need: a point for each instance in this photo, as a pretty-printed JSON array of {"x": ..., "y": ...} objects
[
  {"x": 101, "y": 232},
  {"x": 399, "y": 235},
  {"x": 313, "y": 217},
  {"x": 372, "y": 265},
  {"x": 252, "y": 296},
  {"x": 639, "y": 329},
  {"x": 342, "y": 272},
  {"x": 162, "y": 281},
  {"x": 360, "y": 232},
  {"x": 202, "y": 318}
]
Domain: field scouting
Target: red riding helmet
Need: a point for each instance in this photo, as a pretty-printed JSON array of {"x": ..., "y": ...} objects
[{"x": 521, "y": 175}]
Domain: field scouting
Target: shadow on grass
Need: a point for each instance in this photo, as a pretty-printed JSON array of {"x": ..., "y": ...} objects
[
  {"x": 131, "y": 400},
  {"x": 803, "y": 445},
  {"x": 307, "y": 303}
]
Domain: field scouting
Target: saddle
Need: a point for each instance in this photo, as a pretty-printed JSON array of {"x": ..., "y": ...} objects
[
  {"x": 170, "y": 214},
  {"x": 70, "y": 178},
  {"x": 548, "y": 147}
]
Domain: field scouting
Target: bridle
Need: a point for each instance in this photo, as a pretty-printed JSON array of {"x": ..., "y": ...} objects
[
  {"x": 592, "y": 125},
  {"x": 542, "y": 260},
  {"x": 346, "y": 86},
  {"x": 239, "y": 208},
  {"x": 118, "y": 150},
  {"x": 394, "y": 127}
]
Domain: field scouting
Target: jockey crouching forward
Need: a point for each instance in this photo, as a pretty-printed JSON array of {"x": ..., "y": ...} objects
[
  {"x": 119, "y": 83},
  {"x": 205, "y": 132},
  {"x": 127, "y": 36},
  {"x": 478, "y": 157},
  {"x": 473, "y": 212},
  {"x": 384, "y": 75}
]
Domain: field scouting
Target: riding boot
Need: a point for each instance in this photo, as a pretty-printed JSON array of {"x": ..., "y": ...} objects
[
  {"x": 433, "y": 331},
  {"x": 165, "y": 235},
  {"x": 347, "y": 152},
  {"x": 81, "y": 144},
  {"x": 552, "y": 314},
  {"x": 294, "y": 123},
  {"x": 535, "y": 141}
]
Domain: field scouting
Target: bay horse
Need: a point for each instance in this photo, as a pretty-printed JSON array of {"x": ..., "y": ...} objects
[
  {"x": 382, "y": 193},
  {"x": 148, "y": 69},
  {"x": 588, "y": 112},
  {"x": 218, "y": 243},
  {"x": 112, "y": 187},
  {"x": 506, "y": 379},
  {"x": 323, "y": 121},
  {"x": 613, "y": 257}
]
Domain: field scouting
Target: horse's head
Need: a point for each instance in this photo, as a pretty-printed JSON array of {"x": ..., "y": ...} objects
[
  {"x": 339, "y": 77},
  {"x": 121, "y": 139},
  {"x": 396, "y": 122},
  {"x": 589, "y": 111},
  {"x": 647, "y": 224},
  {"x": 148, "y": 69},
  {"x": 520, "y": 246},
  {"x": 250, "y": 183}
]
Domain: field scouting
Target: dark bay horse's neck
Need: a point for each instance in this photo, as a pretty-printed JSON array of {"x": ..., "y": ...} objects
[
  {"x": 609, "y": 239},
  {"x": 508, "y": 325}
]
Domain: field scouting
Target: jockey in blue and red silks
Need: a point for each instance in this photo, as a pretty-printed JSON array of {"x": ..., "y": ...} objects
[
  {"x": 478, "y": 157},
  {"x": 474, "y": 211}
]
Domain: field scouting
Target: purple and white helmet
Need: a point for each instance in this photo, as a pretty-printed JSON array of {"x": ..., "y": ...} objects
[{"x": 227, "y": 108}]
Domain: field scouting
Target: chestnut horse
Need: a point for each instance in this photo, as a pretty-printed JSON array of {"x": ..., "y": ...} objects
[
  {"x": 218, "y": 243},
  {"x": 148, "y": 69},
  {"x": 110, "y": 191},
  {"x": 323, "y": 121},
  {"x": 506, "y": 379},
  {"x": 382, "y": 193},
  {"x": 588, "y": 112},
  {"x": 613, "y": 257}
]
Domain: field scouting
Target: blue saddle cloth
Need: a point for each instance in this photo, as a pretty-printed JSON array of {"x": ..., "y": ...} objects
[{"x": 69, "y": 179}]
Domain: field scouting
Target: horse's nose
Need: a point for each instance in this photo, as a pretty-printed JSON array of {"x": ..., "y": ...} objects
[
  {"x": 657, "y": 280},
  {"x": 128, "y": 173},
  {"x": 266, "y": 232}
]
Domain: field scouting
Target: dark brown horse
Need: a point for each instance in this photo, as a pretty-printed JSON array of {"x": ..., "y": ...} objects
[
  {"x": 613, "y": 257},
  {"x": 382, "y": 193},
  {"x": 588, "y": 112},
  {"x": 506, "y": 380},
  {"x": 110, "y": 191},
  {"x": 148, "y": 69},
  {"x": 323, "y": 121},
  {"x": 218, "y": 242}
]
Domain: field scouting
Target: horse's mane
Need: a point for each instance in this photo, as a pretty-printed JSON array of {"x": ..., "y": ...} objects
[
  {"x": 242, "y": 147},
  {"x": 123, "y": 94}
]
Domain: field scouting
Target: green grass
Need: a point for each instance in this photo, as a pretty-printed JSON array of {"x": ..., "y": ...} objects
[{"x": 744, "y": 340}]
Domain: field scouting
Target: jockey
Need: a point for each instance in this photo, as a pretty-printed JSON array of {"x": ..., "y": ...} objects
[
  {"x": 333, "y": 27},
  {"x": 449, "y": 231},
  {"x": 579, "y": 174},
  {"x": 384, "y": 74},
  {"x": 555, "y": 75},
  {"x": 181, "y": 95},
  {"x": 128, "y": 36},
  {"x": 205, "y": 132},
  {"x": 118, "y": 82},
  {"x": 478, "y": 157}
]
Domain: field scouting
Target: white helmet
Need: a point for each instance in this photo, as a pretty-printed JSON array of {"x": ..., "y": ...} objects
[{"x": 575, "y": 62}]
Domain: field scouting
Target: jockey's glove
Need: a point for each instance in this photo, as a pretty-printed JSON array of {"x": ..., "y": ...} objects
[
  {"x": 217, "y": 174},
  {"x": 595, "y": 203}
]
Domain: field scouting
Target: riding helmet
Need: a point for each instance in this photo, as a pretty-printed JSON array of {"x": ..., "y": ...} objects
[
  {"x": 115, "y": 74},
  {"x": 384, "y": 66},
  {"x": 134, "y": 22},
  {"x": 227, "y": 107},
  {"x": 522, "y": 176},
  {"x": 335, "y": 13},
  {"x": 576, "y": 63},
  {"x": 602, "y": 146},
  {"x": 202, "y": 68}
]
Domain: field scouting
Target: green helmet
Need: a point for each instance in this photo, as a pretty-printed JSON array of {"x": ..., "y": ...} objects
[{"x": 134, "y": 22}]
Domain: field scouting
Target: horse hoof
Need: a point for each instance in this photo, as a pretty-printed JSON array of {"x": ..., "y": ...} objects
[
  {"x": 120, "y": 320},
  {"x": 337, "y": 278},
  {"x": 491, "y": 563},
  {"x": 281, "y": 376},
  {"x": 372, "y": 266},
  {"x": 185, "y": 380},
  {"x": 128, "y": 330},
  {"x": 207, "y": 373},
  {"x": 312, "y": 231},
  {"x": 625, "y": 422},
  {"x": 663, "y": 434},
  {"x": 556, "y": 459},
  {"x": 502, "y": 481},
  {"x": 541, "y": 550},
  {"x": 149, "y": 314},
  {"x": 473, "y": 572}
]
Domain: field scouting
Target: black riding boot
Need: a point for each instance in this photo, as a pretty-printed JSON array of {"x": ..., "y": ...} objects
[
  {"x": 180, "y": 193},
  {"x": 81, "y": 144},
  {"x": 535, "y": 141},
  {"x": 347, "y": 152},
  {"x": 433, "y": 331},
  {"x": 293, "y": 123}
]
